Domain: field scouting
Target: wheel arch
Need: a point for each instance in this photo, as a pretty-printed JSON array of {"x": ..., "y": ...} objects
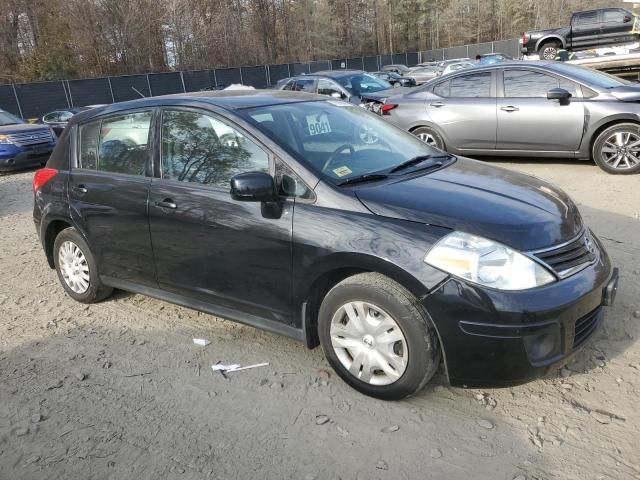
[
  {"x": 550, "y": 38},
  {"x": 52, "y": 229},
  {"x": 607, "y": 123},
  {"x": 433, "y": 127},
  {"x": 340, "y": 267}
]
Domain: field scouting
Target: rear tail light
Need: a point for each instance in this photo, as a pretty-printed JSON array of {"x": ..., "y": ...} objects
[
  {"x": 387, "y": 107},
  {"x": 42, "y": 176}
]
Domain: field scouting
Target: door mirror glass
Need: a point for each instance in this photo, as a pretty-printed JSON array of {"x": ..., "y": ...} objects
[
  {"x": 627, "y": 19},
  {"x": 558, "y": 94},
  {"x": 253, "y": 187}
]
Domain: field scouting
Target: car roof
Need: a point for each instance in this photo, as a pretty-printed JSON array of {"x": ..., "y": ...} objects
[
  {"x": 333, "y": 73},
  {"x": 227, "y": 99}
]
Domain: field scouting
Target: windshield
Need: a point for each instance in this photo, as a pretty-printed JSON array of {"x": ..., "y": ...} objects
[
  {"x": 592, "y": 78},
  {"x": 7, "y": 119},
  {"x": 338, "y": 139},
  {"x": 363, "y": 83}
]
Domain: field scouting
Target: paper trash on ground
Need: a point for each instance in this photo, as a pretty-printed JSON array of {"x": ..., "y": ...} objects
[
  {"x": 201, "y": 341},
  {"x": 235, "y": 367}
]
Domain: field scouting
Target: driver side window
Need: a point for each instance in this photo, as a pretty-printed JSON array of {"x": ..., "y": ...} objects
[{"x": 329, "y": 88}]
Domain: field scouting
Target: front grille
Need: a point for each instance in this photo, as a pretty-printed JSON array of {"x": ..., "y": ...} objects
[
  {"x": 585, "y": 327},
  {"x": 571, "y": 257},
  {"x": 31, "y": 138}
]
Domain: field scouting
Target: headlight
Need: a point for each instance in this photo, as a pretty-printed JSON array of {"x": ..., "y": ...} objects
[
  {"x": 4, "y": 139},
  {"x": 486, "y": 262}
]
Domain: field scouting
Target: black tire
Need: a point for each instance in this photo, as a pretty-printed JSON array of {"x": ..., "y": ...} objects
[
  {"x": 430, "y": 137},
  {"x": 549, "y": 50},
  {"x": 96, "y": 291},
  {"x": 423, "y": 350},
  {"x": 607, "y": 159}
]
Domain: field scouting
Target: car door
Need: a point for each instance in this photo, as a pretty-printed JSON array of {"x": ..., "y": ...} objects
[
  {"x": 527, "y": 120},
  {"x": 464, "y": 108},
  {"x": 616, "y": 26},
  {"x": 207, "y": 246},
  {"x": 331, "y": 89},
  {"x": 108, "y": 194},
  {"x": 585, "y": 29}
]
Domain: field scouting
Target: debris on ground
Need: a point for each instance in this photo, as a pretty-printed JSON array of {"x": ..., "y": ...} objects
[{"x": 201, "y": 341}]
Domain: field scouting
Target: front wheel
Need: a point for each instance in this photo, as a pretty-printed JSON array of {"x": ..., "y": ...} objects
[
  {"x": 617, "y": 149},
  {"x": 377, "y": 338}
]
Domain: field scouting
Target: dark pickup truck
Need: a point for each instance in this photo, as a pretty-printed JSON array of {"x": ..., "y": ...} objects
[{"x": 588, "y": 29}]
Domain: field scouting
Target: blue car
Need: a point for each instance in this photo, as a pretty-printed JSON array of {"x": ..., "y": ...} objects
[{"x": 23, "y": 145}]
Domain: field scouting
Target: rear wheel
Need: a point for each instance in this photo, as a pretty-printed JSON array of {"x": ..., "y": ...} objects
[
  {"x": 549, "y": 50},
  {"x": 77, "y": 269},
  {"x": 377, "y": 338},
  {"x": 430, "y": 137},
  {"x": 617, "y": 149}
]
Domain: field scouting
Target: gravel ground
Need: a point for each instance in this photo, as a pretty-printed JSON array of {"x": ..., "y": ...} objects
[{"x": 118, "y": 390}]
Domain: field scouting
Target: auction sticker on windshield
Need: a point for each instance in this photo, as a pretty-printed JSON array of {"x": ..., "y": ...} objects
[
  {"x": 342, "y": 171},
  {"x": 318, "y": 124}
]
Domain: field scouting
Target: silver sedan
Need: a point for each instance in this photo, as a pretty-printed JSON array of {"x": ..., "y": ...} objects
[{"x": 536, "y": 109}]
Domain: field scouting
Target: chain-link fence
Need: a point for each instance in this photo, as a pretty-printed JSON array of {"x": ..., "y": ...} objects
[{"x": 29, "y": 100}]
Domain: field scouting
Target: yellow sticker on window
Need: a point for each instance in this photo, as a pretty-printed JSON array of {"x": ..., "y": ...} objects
[{"x": 342, "y": 171}]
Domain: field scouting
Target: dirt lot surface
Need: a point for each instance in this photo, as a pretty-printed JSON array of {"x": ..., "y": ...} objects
[{"x": 118, "y": 390}]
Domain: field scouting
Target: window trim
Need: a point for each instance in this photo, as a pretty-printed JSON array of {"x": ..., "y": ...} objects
[{"x": 151, "y": 141}]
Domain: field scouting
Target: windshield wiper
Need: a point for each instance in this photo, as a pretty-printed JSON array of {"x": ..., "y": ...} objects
[
  {"x": 368, "y": 177},
  {"x": 419, "y": 159}
]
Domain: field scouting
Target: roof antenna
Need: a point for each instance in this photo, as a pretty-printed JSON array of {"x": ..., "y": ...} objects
[{"x": 138, "y": 92}]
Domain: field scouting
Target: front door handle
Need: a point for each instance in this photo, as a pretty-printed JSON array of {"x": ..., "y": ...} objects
[
  {"x": 80, "y": 189},
  {"x": 437, "y": 104},
  {"x": 509, "y": 108},
  {"x": 166, "y": 203}
]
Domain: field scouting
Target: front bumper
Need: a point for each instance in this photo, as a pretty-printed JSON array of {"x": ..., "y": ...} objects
[
  {"x": 493, "y": 338},
  {"x": 13, "y": 157}
]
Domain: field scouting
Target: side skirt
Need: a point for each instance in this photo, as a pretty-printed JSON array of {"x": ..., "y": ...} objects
[{"x": 218, "y": 311}]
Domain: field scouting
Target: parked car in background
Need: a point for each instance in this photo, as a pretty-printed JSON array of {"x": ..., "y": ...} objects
[
  {"x": 424, "y": 74},
  {"x": 588, "y": 29},
  {"x": 455, "y": 66},
  {"x": 354, "y": 86},
  {"x": 397, "y": 68},
  {"x": 395, "y": 79},
  {"x": 22, "y": 144},
  {"x": 330, "y": 226},
  {"x": 541, "y": 109},
  {"x": 58, "y": 119},
  {"x": 491, "y": 58}
]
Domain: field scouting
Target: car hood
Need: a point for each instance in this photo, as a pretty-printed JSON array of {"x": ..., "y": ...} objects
[
  {"x": 626, "y": 93},
  {"x": 518, "y": 210},
  {"x": 21, "y": 128}
]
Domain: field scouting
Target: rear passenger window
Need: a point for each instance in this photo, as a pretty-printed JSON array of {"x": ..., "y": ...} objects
[
  {"x": 89, "y": 136},
  {"x": 476, "y": 85},
  {"x": 305, "y": 86},
  {"x": 116, "y": 144},
  {"x": 124, "y": 143},
  {"x": 202, "y": 149}
]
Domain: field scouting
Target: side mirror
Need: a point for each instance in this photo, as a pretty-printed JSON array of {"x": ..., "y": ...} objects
[
  {"x": 253, "y": 187},
  {"x": 626, "y": 19},
  {"x": 558, "y": 94}
]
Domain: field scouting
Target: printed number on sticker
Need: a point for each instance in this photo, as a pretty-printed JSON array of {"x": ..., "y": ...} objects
[{"x": 318, "y": 124}]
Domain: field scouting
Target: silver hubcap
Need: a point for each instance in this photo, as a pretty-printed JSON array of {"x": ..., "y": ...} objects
[
  {"x": 549, "y": 53},
  {"x": 74, "y": 267},
  {"x": 621, "y": 150},
  {"x": 369, "y": 343},
  {"x": 427, "y": 138}
]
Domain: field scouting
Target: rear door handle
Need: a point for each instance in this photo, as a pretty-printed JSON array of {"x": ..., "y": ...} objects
[
  {"x": 509, "y": 108},
  {"x": 79, "y": 189},
  {"x": 437, "y": 104},
  {"x": 166, "y": 203}
]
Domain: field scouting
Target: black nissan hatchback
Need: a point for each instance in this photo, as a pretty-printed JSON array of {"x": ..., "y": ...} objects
[{"x": 313, "y": 218}]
